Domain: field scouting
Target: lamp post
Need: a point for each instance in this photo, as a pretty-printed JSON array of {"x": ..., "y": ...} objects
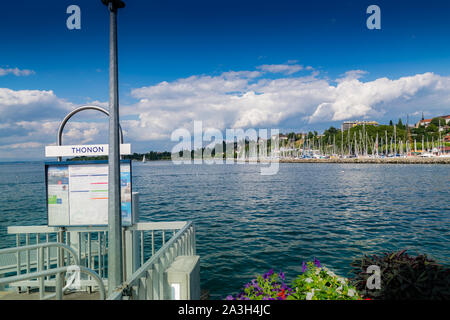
[{"x": 114, "y": 205}]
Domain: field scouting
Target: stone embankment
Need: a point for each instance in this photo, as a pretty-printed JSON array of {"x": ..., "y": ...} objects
[{"x": 409, "y": 160}]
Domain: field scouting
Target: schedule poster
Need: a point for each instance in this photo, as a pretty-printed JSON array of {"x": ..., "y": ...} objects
[{"x": 77, "y": 194}]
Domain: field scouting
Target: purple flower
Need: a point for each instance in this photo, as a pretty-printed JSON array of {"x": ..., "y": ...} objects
[
  {"x": 229, "y": 298},
  {"x": 268, "y": 274},
  {"x": 304, "y": 267},
  {"x": 281, "y": 275},
  {"x": 316, "y": 262}
]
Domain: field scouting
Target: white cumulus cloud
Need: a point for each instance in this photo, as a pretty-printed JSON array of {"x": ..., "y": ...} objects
[
  {"x": 256, "y": 101},
  {"x": 31, "y": 104},
  {"x": 234, "y": 99}
]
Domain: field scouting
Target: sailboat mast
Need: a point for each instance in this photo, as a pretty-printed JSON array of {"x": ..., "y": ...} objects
[
  {"x": 395, "y": 140},
  {"x": 348, "y": 138},
  {"x": 386, "y": 140},
  {"x": 376, "y": 145}
]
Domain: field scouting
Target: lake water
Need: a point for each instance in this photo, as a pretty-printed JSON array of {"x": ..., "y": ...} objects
[{"x": 248, "y": 223}]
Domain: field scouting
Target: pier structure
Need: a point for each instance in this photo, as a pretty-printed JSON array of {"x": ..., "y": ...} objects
[
  {"x": 39, "y": 265},
  {"x": 139, "y": 260}
]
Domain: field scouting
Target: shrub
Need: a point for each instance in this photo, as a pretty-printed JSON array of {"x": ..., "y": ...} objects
[
  {"x": 269, "y": 286},
  {"x": 403, "y": 277},
  {"x": 319, "y": 283}
]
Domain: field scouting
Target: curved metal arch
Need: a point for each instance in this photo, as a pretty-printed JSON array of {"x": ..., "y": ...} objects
[{"x": 74, "y": 112}]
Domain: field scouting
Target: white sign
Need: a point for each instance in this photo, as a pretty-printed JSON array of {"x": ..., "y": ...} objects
[
  {"x": 86, "y": 150},
  {"x": 77, "y": 194}
]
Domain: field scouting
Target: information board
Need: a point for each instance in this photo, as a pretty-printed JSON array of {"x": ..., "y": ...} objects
[{"x": 77, "y": 193}]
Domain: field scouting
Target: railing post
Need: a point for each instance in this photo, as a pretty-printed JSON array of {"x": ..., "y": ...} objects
[
  {"x": 149, "y": 284},
  {"x": 19, "y": 266},
  {"x": 155, "y": 278},
  {"x": 41, "y": 269},
  {"x": 74, "y": 238},
  {"x": 59, "y": 286},
  {"x": 132, "y": 240},
  {"x": 27, "y": 242},
  {"x": 194, "y": 241}
]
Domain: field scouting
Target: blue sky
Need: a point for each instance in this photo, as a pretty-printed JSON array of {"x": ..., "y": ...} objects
[{"x": 168, "y": 46}]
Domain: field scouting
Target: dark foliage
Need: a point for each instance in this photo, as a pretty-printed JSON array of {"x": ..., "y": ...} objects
[{"x": 403, "y": 277}]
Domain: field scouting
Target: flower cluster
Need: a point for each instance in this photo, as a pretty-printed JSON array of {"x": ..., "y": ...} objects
[
  {"x": 269, "y": 286},
  {"x": 316, "y": 283},
  {"x": 319, "y": 283}
]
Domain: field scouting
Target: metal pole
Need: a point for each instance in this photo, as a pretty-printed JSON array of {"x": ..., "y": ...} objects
[{"x": 115, "y": 275}]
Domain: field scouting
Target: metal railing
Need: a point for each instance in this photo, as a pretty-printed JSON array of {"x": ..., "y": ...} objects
[
  {"x": 41, "y": 273},
  {"x": 148, "y": 282},
  {"x": 89, "y": 243},
  {"x": 142, "y": 243},
  {"x": 155, "y": 234}
]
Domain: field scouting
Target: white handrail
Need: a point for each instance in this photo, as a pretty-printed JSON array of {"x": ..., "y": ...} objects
[
  {"x": 56, "y": 271},
  {"x": 138, "y": 236},
  {"x": 42, "y": 245},
  {"x": 182, "y": 242},
  {"x": 41, "y": 274}
]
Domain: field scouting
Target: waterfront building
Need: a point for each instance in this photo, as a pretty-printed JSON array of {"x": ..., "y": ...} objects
[
  {"x": 426, "y": 122},
  {"x": 447, "y": 119},
  {"x": 350, "y": 124}
]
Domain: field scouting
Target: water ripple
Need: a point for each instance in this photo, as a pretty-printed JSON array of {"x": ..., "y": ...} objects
[{"x": 247, "y": 223}]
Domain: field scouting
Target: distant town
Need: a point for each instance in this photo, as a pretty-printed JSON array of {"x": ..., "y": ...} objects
[{"x": 427, "y": 138}]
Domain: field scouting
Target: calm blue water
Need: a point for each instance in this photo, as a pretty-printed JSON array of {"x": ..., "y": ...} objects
[{"x": 247, "y": 223}]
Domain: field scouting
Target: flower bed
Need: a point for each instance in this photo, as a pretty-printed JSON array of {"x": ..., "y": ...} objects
[
  {"x": 315, "y": 283},
  {"x": 269, "y": 286},
  {"x": 319, "y": 283}
]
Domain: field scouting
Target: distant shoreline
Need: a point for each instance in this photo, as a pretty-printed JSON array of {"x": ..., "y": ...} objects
[{"x": 411, "y": 160}]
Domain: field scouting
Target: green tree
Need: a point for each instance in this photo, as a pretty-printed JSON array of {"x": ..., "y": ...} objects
[
  {"x": 436, "y": 120},
  {"x": 291, "y": 135},
  {"x": 432, "y": 128},
  {"x": 331, "y": 131}
]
